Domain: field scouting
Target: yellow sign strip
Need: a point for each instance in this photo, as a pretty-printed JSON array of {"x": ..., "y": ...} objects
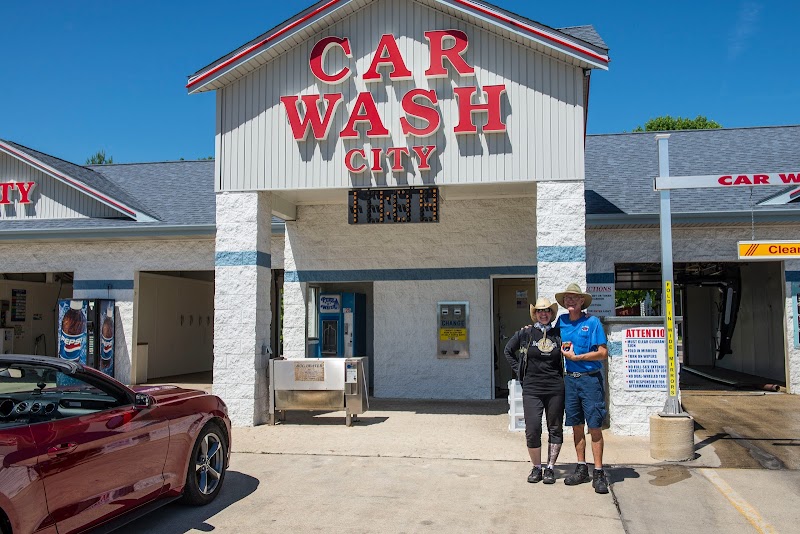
[
  {"x": 769, "y": 249},
  {"x": 673, "y": 375}
]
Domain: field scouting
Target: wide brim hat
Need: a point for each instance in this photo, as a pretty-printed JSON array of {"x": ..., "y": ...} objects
[
  {"x": 543, "y": 303},
  {"x": 575, "y": 289}
]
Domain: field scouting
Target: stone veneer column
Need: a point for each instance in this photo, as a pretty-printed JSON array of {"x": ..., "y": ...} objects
[
  {"x": 560, "y": 236},
  {"x": 242, "y": 315},
  {"x": 294, "y": 301}
]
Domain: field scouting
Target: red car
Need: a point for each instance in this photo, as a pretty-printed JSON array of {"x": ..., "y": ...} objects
[{"x": 80, "y": 450}]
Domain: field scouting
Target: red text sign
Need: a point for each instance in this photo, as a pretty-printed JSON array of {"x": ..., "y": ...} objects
[
  {"x": 23, "y": 189},
  {"x": 727, "y": 180}
]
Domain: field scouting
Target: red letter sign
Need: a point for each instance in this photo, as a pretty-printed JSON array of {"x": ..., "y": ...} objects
[
  {"x": 320, "y": 126},
  {"x": 370, "y": 115},
  {"x": 492, "y": 107},
  {"x": 348, "y": 160},
  {"x": 394, "y": 58},
  {"x": 317, "y": 61},
  {"x": 453, "y": 54},
  {"x": 413, "y": 109},
  {"x": 25, "y": 191}
]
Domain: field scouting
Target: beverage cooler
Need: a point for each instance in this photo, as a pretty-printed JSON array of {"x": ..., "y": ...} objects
[
  {"x": 86, "y": 332},
  {"x": 342, "y": 325}
]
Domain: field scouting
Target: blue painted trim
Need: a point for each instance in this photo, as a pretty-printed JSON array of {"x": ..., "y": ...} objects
[
  {"x": 240, "y": 259},
  {"x": 600, "y": 278},
  {"x": 615, "y": 348},
  {"x": 392, "y": 275},
  {"x": 102, "y": 284},
  {"x": 561, "y": 254},
  {"x": 793, "y": 276}
]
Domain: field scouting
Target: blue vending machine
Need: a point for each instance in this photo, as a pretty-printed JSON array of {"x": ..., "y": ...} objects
[{"x": 342, "y": 325}]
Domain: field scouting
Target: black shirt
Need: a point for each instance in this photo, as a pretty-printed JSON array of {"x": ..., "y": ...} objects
[{"x": 543, "y": 369}]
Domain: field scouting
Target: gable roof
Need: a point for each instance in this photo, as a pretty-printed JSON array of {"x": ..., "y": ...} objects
[
  {"x": 83, "y": 179},
  {"x": 620, "y": 169},
  {"x": 586, "y": 34},
  {"x": 582, "y": 48}
]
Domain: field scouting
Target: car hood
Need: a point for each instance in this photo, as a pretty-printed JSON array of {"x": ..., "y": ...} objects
[{"x": 164, "y": 394}]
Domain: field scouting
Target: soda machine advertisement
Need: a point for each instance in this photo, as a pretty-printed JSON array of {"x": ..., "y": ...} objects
[
  {"x": 107, "y": 337},
  {"x": 72, "y": 333}
]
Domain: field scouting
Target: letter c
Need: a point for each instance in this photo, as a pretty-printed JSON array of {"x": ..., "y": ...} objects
[
  {"x": 348, "y": 160},
  {"x": 317, "y": 60},
  {"x": 725, "y": 180}
]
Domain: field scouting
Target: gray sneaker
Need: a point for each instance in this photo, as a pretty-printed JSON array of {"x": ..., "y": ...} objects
[
  {"x": 535, "y": 476},
  {"x": 548, "y": 476}
]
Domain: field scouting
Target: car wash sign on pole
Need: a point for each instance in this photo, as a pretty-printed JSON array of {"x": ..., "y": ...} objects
[
  {"x": 769, "y": 250},
  {"x": 727, "y": 180}
]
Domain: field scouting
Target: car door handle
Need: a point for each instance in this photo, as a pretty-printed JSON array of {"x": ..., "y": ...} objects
[{"x": 62, "y": 449}]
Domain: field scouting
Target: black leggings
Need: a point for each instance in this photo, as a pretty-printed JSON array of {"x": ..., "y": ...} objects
[{"x": 533, "y": 406}]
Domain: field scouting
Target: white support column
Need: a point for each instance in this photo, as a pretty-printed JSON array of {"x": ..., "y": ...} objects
[
  {"x": 294, "y": 302},
  {"x": 792, "y": 281},
  {"x": 560, "y": 236},
  {"x": 243, "y": 318}
]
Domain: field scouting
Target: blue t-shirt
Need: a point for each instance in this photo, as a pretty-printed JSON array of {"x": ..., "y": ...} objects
[{"x": 586, "y": 335}]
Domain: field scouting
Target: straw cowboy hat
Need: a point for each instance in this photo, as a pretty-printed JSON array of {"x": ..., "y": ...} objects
[
  {"x": 576, "y": 290},
  {"x": 543, "y": 303}
]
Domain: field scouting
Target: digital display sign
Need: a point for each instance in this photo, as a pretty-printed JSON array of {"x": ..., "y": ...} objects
[{"x": 406, "y": 205}]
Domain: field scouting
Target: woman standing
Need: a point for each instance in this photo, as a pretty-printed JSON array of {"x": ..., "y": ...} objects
[{"x": 535, "y": 356}]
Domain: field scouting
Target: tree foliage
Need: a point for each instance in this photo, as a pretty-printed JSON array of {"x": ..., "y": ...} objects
[
  {"x": 100, "y": 158},
  {"x": 628, "y": 298},
  {"x": 667, "y": 123}
]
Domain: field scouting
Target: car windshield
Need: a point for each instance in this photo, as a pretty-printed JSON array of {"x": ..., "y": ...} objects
[{"x": 23, "y": 378}]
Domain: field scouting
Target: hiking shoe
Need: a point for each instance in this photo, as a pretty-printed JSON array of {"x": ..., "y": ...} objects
[
  {"x": 548, "y": 476},
  {"x": 535, "y": 476},
  {"x": 580, "y": 476},
  {"x": 600, "y": 481}
]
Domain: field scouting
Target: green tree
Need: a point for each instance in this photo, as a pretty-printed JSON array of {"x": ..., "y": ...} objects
[
  {"x": 667, "y": 123},
  {"x": 100, "y": 159}
]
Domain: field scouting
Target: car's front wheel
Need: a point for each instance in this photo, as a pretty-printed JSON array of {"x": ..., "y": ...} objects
[{"x": 206, "y": 466}]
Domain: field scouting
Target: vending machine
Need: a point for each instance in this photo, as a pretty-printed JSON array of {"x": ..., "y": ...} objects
[
  {"x": 86, "y": 332},
  {"x": 342, "y": 325}
]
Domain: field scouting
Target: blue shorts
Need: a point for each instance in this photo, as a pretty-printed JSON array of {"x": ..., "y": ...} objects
[{"x": 585, "y": 400}]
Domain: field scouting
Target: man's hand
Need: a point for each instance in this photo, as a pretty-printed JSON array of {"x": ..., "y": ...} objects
[{"x": 569, "y": 353}]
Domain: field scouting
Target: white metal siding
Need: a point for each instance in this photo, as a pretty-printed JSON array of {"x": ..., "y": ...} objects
[
  {"x": 543, "y": 110},
  {"x": 51, "y": 199}
]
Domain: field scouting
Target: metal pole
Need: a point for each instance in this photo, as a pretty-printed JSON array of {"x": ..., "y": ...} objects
[{"x": 673, "y": 406}]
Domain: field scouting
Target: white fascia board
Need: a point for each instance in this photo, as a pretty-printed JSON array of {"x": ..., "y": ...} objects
[{"x": 76, "y": 184}]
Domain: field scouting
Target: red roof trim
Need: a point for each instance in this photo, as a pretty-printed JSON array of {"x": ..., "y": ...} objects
[
  {"x": 531, "y": 29},
  {"x": 50, "y": 170},
  {"x": 330, "y": 4},
  {"x": 261, "y": 43}
]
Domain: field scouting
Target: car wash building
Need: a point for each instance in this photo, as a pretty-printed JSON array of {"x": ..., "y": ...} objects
[
  {"x": 141, "y": 235},
  {"x": 738, "y": 305},
  {"x": 428, "y": 158}
]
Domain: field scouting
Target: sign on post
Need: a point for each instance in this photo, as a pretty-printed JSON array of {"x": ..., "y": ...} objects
[
  {"x": 726, "y": 180},
  {"x": 769, "y": 250}
]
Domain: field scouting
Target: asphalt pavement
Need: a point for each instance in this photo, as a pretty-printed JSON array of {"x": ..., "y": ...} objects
[{"x": 434, "y": 466}]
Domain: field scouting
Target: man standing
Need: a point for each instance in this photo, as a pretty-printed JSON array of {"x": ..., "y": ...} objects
[{"x": 584, "y": 349}]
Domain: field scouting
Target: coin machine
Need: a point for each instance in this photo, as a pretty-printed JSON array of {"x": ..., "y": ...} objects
[{"x": 342, "y": 325}]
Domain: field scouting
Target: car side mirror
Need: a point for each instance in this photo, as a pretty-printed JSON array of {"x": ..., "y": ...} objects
[{"x": 143, "y": 400}]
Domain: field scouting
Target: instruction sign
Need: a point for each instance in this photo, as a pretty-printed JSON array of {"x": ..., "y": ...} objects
[
  {"x": 19, "y": 304},
  {"x": 769, "y": 250},
  {"x": 602, "y": 300},
  {"x": 645, "y": 359},
  {"x": 309, "y": 372}
]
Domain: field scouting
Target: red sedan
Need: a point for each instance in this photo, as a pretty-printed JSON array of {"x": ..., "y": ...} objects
[{"x": 80, "y": 450}]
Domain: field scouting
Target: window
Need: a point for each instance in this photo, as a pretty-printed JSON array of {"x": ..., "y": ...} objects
[{"x": 312, "y": 307}]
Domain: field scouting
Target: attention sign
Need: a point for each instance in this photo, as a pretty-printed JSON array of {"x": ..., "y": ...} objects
[
  {"x": 769, "y": 250},
  {"x": 645, "y": 359}
]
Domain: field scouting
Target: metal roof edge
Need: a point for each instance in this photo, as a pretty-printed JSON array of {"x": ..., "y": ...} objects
[
  {"x": 78, "y": 185},
  {"x": 178, "y": 230},
  {"x": 572, "y": 46},
  {"x": 598, "y": 220}
]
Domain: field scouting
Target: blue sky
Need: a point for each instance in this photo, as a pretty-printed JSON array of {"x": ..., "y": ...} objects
[{"x": 82, "y": 75}]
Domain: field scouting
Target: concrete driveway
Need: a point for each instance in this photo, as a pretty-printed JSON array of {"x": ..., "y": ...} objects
[{"x": 454, "y": 467}]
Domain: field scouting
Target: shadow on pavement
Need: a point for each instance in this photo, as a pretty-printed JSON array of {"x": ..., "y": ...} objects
[
  {"x": 455, "y": 407},
  {"x": 326, "y": 419},
  {"x": 176, "y": 518}
]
